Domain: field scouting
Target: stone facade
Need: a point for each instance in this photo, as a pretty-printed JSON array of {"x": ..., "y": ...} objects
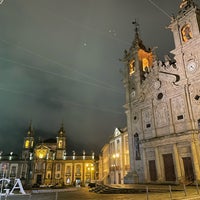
[
  {"x": 163, "y": 105},
  {"x": 114, "y": 162}
]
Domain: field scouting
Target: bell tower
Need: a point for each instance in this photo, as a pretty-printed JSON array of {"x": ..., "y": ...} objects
[
  {"x": 186, "y": 31},
  {"x": 61, "y": 143},
  {"x": 28, "y": 143},
  {"x": 137, "y": 61}
]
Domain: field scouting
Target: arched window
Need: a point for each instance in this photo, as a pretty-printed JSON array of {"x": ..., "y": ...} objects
[
  {"x": 186, "y": 33},
  {"x": 78, "y": 169},
  {"x": 137, "y": 147}
]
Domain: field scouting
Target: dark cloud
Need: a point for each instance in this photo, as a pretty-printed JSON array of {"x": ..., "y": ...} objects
[{"x": 59, "y": 62}]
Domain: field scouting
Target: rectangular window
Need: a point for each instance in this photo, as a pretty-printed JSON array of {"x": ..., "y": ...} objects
[
  {"x": 49, "y": 166},
  {"x": 57, "y": 176},
  {"x": 180, "y": 117},
  {"x": 13, "y": 171},
  {"x": 148, "y": 125},
  {"x": 58, "y": 167},
  {"x": 68, "y": 170},
  {"x": 49, "y": 176}
]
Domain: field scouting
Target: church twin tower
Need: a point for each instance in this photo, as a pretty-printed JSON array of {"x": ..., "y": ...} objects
[
  {"x": 29, "y": 146},
  {"x": 163, "y": 104}
]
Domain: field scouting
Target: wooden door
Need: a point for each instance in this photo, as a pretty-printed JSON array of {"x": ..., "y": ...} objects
[
  {"x": 189, "y": 173},
  {"x": 169, "y": 167},
  {"x": 152, "y": 170}
]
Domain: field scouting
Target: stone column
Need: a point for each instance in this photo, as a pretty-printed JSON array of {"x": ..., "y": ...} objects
[
  {"x": 146, "y": 170},
  {"x": 195, "y": 161},
  {"x": 177, "y": 164},
  {"x": 131, "y": 152},
  {"x": 158, "y": 165},
  {"x": 131, "y": 177},
  {"x": 197, "y": 149}
]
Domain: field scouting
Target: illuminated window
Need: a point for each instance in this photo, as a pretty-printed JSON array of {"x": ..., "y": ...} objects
[
  {"x": 31, "y": 143},
  {"x": 186, "y": 33},
  {"x": 131, "y": 67},
  {"x": 68, "y": 181},
  {"x": 78, "y": 169},
  {"x": 27, "y": 144},
  {"x": 60, "y": 144},
  {"x": 145, "y": 64},
  {"x": 41, "y": 153},
  {"x": 146, "y": 58}
]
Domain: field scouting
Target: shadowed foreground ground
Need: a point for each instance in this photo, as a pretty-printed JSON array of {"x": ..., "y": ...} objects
[{"x": 83, "y": 193}]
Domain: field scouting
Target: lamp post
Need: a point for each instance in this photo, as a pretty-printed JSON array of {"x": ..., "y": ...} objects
[
  {"x": 90, "y": 169},
  {"x": 115, "y": 157}
]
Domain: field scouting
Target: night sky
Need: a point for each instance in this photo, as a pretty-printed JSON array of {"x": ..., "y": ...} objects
[{"x": 59, "y": 62}]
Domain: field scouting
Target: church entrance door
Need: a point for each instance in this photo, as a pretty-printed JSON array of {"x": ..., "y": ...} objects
[
  {"x": 189, "y": 173},
  {"x": 169, "y": 167},
  {"x": 39, "y": 179},
  {"x": 152, "y": 170}
]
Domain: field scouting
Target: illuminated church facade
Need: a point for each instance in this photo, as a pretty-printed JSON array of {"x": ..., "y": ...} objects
[
  {"x": 46, "y": 163},
  {"x": 163, "y": 105}
]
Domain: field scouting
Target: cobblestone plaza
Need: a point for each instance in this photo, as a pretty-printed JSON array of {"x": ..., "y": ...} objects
[{"x": 83, "y": 193}]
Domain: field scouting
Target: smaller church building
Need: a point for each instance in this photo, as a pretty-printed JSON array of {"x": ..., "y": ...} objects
[{"x": 47, "y": 164}]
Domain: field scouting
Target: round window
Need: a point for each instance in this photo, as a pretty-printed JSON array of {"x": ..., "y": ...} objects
[{"x": 160, "y": 96}]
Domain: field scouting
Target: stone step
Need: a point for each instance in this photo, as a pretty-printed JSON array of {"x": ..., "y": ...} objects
[{"x": 115, "y": 189}]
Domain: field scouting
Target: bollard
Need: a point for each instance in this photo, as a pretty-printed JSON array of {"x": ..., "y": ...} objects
[
  {"x": 147, "y": 191},
  {"x": 184, "y": 189},
  {"x": 170, "y": 191},
  {"x": 56, "y": 196},
  {"x": 197, "y": 187}
]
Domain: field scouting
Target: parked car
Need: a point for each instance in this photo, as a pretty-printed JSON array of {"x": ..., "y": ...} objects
[{"x": 91, "y": 185}]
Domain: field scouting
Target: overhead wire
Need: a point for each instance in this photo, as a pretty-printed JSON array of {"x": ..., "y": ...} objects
[
  {"x": 112, "y": 33},
  {"x": 59, "y": 75},
  {"x": 105, "y": 85},
  {"x": 53, "y": 98},
  {"x": 71, "y": 103},
  {"x": 91, "y": 81},
  {"x": 159, "y": 8},
  {"x": 97, "y": 84}
]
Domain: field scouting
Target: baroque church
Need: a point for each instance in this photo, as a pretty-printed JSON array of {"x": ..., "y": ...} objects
[
  {"x": 163, "y": 104},
  {"x": 46, "y": 163}
]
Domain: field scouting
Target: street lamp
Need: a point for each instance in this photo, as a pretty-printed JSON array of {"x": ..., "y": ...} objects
[
  {"x": 115, "y": 157},
  {"x": 90, "y": 170}
]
